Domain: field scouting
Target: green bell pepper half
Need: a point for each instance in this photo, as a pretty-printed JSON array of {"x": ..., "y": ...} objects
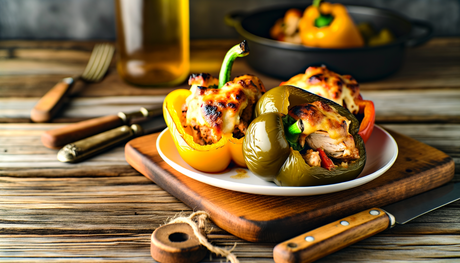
[{"x": 269, "y": 155}]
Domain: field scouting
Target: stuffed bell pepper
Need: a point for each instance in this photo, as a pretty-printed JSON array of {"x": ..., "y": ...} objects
[
  {"x": 301, "y": 139},
  {"x": 322, "y": 25},
  {"x": 287, "y": 28},
  {"x": 209, "y": 121},
  {"x": 342, "y": 89},
  {"x": 327, "y": 25}
]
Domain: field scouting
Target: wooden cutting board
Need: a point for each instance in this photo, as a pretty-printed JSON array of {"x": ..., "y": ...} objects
[{"x": 260, "y": 218}]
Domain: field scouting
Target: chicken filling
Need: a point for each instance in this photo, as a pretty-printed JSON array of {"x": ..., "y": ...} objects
[{"x": 324, "y": 129}]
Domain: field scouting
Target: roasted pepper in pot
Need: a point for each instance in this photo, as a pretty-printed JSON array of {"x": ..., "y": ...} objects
[
  {"x": 208, "y": 122},
  {"x": 342, "y": 89},
  {"x": 301, "y": 139},
  {"x": 287, "y": 28},
  {"x": 374, "y": 38},
  {"x": 327, "y": 25}
]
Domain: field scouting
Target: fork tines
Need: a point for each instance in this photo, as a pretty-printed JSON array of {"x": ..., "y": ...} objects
[{"x": 99, "y": 62}]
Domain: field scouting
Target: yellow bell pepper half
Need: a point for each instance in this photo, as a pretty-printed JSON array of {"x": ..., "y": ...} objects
[
  {"x": 209, "y": 158},
  {"x": 340, "y": 33}
]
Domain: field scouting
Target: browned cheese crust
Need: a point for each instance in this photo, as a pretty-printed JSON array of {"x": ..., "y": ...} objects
[
  {"x": 212, "y": 112},
  {"x": 342, "y": 89}
]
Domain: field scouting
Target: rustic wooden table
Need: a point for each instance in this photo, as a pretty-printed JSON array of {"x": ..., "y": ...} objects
[{"x": 104, "y": 210}]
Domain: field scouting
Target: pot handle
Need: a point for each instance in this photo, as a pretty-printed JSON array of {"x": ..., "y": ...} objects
[
  {"x": 415, "y": 41},
  {"x": 234, "y": 17}
]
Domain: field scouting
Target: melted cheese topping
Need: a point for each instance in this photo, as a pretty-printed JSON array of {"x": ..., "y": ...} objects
[
  {"x": 318, "y": 116},
  {"x": 220, "y": 109},
  {"x": 342, "y": 89}
]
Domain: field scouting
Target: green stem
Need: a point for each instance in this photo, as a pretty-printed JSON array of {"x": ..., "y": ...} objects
[
  {"x": 293, "y": 132},
  {"x": 323, "y": 19},
  {"x": 240, "y": 50},
  {"x": 316, "y": 3}
]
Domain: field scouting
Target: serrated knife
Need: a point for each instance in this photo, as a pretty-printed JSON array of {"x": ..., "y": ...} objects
[{"x": 332, "y": 237}]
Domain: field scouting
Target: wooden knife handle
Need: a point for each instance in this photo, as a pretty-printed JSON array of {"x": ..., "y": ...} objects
[
  {"x": 327, "y": 239},
  {"x": 88, "y": 147},
  {"x": 51, "y": 102},
  {"x": 57, "y": 138}
]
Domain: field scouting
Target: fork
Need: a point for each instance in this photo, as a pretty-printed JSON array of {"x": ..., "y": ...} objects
[{"x": 95, "y": 70}]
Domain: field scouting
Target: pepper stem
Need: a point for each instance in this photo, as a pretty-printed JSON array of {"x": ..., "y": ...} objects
[
  {"x": 240, "y": 50},
  {"x": 323, "y": 19},
  {"x": 293, "y": 132}
]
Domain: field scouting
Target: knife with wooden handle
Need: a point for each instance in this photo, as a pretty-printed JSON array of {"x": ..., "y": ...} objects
[
  {"x": 57, "y": 138},
  {"x": 52, "y": 101},
  {"x": 332, "y": 237},
  {"x": 88, "y": 147}
]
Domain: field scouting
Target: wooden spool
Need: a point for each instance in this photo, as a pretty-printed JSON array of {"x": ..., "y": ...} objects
[{"x": 176, "y": 243}]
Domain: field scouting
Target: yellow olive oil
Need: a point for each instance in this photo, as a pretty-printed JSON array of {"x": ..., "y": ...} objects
[{"x": 153, "y": 41}]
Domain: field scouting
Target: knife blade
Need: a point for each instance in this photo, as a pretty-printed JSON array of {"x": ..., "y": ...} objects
[
  {"x": 57, "y": 138},
  {"x": 91, "y": 146},
  {"x": 332, "y": 237}
]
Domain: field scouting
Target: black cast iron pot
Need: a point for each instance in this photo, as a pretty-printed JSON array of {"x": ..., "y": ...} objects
[{"x": 283, "y": 60}]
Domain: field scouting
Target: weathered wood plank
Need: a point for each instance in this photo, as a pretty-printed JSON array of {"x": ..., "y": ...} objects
[
  {"x": 391, "y": 106},
  {"x": 22, "y": 153},
  {"x": 48, "y": 44},
  {"x": 434, "y": 65},
  {"x": 416, "y": 105},
  {"x": 19, "y": 67},
  {"x": 381, "y": 249},
  {"x": 4, "y": 53},
  {"x": 136, "y": 247},
  {"x": 67, "y": 55},
  {"x": 127, "y": 247},
  {"x": 445, "y": 137},
  {"x": 130, "y": 222},
  {"x": 126, "y": 242}
]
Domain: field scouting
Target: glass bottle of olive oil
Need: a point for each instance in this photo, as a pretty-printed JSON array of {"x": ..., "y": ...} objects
[{"x": 153, "y": 43}]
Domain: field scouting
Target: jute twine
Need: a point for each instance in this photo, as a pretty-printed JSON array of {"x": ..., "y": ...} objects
[{"x": 197, "y": 220}]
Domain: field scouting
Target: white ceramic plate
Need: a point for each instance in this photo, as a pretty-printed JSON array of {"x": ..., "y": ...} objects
[{"x": 381, "y": 150}]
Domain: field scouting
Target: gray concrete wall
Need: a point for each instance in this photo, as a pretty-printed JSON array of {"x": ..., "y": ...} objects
[{"x": 94, "y": 19}]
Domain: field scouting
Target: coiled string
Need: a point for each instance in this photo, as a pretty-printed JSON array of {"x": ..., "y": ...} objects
[{"x": 197, "y": 220}]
